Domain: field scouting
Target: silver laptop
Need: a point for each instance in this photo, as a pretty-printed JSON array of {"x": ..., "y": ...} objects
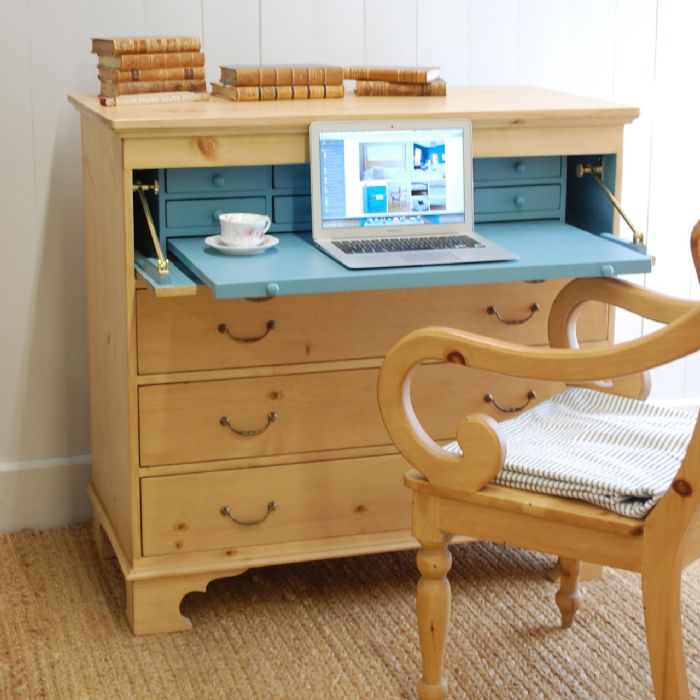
[{"x": 389, "y": 194}]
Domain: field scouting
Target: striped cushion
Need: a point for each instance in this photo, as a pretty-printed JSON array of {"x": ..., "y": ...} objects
[{"x": 618, "y": 453}]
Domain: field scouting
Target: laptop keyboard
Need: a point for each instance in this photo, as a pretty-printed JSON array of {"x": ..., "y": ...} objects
[{"x": 401, "y": 245}]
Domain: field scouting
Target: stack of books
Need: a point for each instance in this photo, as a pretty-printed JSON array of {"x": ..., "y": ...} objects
[
  {"x": 251, "y": 83},
  {"x": 146, "y": 70},
  {"x": 387, "y": 80}
]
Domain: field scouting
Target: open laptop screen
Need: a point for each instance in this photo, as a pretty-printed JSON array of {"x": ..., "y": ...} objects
[{"x": 407, "y": 177}]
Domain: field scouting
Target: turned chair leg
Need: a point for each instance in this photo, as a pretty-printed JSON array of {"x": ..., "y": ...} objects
[
  {"x": 433, "y": 609},
  {"x": 568, "y": 597},
  {"x": 661, "y": 595}
]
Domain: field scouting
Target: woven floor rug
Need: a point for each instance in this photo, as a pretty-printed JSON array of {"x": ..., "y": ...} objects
[{"x": 336, "y": 629}]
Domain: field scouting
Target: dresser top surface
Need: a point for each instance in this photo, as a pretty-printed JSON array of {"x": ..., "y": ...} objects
[{"x": 487, "y": 107}]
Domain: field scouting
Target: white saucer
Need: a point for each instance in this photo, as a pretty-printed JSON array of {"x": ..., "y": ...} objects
[{"x": 217, "y": 243}]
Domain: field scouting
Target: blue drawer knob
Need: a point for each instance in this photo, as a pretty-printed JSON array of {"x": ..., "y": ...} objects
[
  {"x": 218, "y": 180},
  {"x": 217, "y": 213},
  {"x": 607, "y": 270},
  {"x": 519, "y": 201},
  {"x": 272, "y": 289},
  {"x": 519, "y": 167}
]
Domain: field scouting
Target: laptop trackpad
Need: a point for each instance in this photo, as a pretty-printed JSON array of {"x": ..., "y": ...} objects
[{"x": 431, "y": 258}]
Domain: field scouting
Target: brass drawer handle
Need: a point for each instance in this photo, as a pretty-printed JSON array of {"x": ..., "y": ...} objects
[
  {"x": 271, "y": 418},
  {"x": 226, "y": 512},
  {"x": 489, "y": 398},
  {"x": 493, "y": 311},
  {"x": 224, "y": 329}
]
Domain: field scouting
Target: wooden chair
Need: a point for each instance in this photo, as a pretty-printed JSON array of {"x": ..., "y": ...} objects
[{"x": 452, "y": 494}]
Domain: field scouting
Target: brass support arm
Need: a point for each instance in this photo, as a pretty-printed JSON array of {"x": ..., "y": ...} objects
[
  {"x": 598, "y": 173},
  {"x": 140, "y": 188}
]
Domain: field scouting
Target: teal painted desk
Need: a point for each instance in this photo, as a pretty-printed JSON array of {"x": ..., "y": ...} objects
[{"x": 234, "y": 418}]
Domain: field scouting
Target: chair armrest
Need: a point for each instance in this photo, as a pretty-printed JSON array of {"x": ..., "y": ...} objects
[
  {"x": 478, "y": 435},
  {"x": 616, "y": 292}
]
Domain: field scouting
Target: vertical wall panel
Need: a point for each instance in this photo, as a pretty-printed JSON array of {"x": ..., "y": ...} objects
[
  {"x": 230, "y": 34},
  {"x": 52, "y": 418},
  {"x": 18, "y": 223},
  {"x": 286, "y": 31},
  {"x": 338, "y": 31},
  {"x": 590, "y": 43},
  {"x": 492, "y": 32},
  {"x": 165, "y": 17},
  {"x": 443, "y": 38},
  {"x": 543, "y": 41},
  {"x": 675, "y": 177},
  {"x": 390, "y": 32}
]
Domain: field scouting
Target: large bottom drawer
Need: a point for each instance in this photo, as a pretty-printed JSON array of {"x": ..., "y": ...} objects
[
  {"x": 304, "y": 413},
  {"x": 312, "y": 501}
]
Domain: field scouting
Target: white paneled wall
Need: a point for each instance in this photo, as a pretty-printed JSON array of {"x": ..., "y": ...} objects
[{"x": 632, "y": 51}]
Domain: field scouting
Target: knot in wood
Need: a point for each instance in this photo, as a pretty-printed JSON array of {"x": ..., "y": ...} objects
[
  {"x": 456, "y": 358},
  {"x": 682, "y": 487},
  {"x": 206, "y": 146}
]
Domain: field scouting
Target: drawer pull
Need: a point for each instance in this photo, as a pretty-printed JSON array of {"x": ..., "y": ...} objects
[
  {"x": 489, "y": 398},
  {"x": 226, "y": 512},
  {"x": 493, "y": 311},
  {"x": 271, "y": 418},
  {"x": 519, "y": 201},
  {"x": 223, "y": 328}
]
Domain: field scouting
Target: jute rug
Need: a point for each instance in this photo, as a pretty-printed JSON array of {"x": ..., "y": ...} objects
[{"x": 334, "y": 629}]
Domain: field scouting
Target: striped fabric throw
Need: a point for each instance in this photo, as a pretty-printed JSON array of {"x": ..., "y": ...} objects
[{"x": 617, "y": 453}]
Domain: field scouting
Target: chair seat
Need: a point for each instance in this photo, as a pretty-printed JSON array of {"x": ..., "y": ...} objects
[
  {"x": 617, "y": 453},
  {"x": 567, "y": 511}
]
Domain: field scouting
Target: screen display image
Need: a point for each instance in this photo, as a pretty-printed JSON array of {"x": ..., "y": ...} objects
[{"x": 392, "y": 177}]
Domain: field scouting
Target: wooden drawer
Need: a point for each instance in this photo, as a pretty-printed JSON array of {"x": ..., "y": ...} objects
[
  {"x": 314, "y": 500},
  {"x": 291, "y": 209},
  {"x": 516, "y": 169},
  {"x": 214, "y": 180},
  {"x": 302, "y": 413},
  {"x": 183, "y": 334},
  {"x": 518, "y": 200},
  {"x": 294, "y": 176},
  {"x": 205, "y": 212}
]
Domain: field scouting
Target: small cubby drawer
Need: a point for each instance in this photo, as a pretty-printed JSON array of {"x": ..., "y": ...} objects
[
  {"x": 311, "y": 501},
  {"x": 213, "y": 180},
  {"x": 519, "y": 200},
  {"x": 186, "y": 213},
  {"x": 295, "y": 176},
  {"x": 291, "y": 209},
  {"x": 516, "y": 169}
]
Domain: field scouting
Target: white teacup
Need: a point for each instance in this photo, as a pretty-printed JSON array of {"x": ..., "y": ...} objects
[{"x": 243, "y": 230}]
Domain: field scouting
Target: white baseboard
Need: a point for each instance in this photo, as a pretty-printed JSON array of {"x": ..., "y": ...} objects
[{"x": 45, "y": 493}]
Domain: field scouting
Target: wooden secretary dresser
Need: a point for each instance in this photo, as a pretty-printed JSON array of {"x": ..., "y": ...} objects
[{"x": 234, "y": 418}]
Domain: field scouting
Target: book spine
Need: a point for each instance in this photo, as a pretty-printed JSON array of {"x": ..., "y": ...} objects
[
  {"x": 136, "y": 75},
  {"x": 154, "y": 44},
  {"x": 110, "y": 89},
  {"x": 334, "y": 91},
  {"x": 267, "y": 76},
  {"x": 375, "y": 88},
  {"x": 152, "y": 61},
  {"x": 154, "y": 98},
  {"x": 394, "y": 75},
  {"x": 252, "y": 93}
]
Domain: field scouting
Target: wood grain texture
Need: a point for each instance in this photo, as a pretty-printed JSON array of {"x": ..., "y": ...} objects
[{"x": 110, "y": 290}]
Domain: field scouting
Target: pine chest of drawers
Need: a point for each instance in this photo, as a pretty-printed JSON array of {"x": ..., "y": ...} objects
[{"x": 234, "y": 414}]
